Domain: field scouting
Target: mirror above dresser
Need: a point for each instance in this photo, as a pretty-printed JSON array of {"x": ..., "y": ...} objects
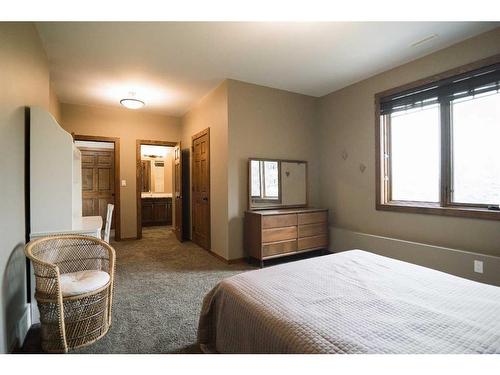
[
  {"x": 279, "y": 221},
  {"x": 275, "y": 183}
]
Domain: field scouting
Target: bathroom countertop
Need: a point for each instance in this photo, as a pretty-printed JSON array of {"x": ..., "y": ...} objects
[{"x": 156, "y": 195}]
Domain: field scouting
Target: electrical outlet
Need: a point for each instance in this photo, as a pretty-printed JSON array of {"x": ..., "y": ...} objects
[
  {"x": 478, "y": 266},
  {"x": 124, "y": 182}
]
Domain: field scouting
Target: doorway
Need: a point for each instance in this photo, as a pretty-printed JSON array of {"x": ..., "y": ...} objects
[
  {"x": 200, "y": 199},
  {"x": 155, "y": 181},
  {"x": 100, "y": 178}
]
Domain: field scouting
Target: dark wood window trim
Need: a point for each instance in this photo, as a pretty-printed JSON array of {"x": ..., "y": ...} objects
[{"x": 382, "y": 165}]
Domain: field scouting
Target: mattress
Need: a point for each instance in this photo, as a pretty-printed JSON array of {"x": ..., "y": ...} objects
[{"x": 350, "y": 302}]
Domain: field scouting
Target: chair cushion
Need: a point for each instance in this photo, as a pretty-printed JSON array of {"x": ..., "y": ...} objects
[{"x": 81, "y": 282}]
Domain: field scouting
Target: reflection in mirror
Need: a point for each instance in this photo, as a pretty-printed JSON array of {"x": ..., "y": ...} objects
[
  {"x": 156, "y": 169},
  {"x": 277, "y": 183},
  {"x": 294, "y": 182},
  {"x": 265, "y": 177}
]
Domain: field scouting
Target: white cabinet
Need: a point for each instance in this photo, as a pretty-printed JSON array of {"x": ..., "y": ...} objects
[{"x": 55, "y": 177}]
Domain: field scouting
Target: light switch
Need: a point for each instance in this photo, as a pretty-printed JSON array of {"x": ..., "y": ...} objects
[
  {"x": 124, "y": 182},
  {"x": 478, "y": 266}
]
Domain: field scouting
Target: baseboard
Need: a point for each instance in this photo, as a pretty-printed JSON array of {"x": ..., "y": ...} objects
[
  {"x": 227, "y": 261},
  {"x": 219, "y": 257},
  {"x": 453, "y": 261},
  {"x": 127, "y": 239},
  {"x": 236, "y": 261}
]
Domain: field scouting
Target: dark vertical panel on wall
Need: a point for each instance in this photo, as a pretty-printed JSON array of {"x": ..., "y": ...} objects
[
  {"x": 186, "y": 195},
  {"x": 27, "y": 207}
]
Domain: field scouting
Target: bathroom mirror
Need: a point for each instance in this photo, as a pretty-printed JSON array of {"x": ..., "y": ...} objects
[
  {"x": 275, "y": 183},
  {"x": 156, "y": 174}
]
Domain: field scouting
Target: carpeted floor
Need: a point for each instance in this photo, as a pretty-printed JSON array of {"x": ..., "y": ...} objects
[{"x": 159, "y": 287}]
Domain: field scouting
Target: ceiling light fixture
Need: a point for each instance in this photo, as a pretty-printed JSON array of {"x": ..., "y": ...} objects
[{"x": 132, "y": 103}]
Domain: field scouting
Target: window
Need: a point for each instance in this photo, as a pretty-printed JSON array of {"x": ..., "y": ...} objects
[
  {"x": 415, "y": 178},
  {"x": 438, "y": 145},
  {"x": 476, "y": 151},
  {"x": 265, "y": 177}
]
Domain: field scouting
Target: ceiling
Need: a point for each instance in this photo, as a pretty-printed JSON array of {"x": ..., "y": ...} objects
[{"x": 172, "y": 65}]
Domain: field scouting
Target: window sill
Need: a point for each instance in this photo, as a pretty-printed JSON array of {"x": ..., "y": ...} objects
[{"x": 435, "y": 209}]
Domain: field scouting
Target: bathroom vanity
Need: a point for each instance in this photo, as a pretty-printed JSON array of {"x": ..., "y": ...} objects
[{"x": 156, "y": 209}]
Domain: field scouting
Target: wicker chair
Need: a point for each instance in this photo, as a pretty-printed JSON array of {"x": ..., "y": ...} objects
[{"x": 74, "y": 289}]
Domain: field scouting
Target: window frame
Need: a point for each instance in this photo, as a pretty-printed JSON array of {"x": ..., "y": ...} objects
[
  {"x": 445, "y": 206},
  {"x": 263, "y": 198}
]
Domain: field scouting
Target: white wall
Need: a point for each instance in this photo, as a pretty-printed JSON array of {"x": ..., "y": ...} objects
[{"x": 51, "y": 164}]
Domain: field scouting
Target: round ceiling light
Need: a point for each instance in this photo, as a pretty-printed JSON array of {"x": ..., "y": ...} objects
[{"x": 132, "y": 103}]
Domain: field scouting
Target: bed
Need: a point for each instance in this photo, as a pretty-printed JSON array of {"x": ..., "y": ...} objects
[{"x": 350, "y": 302}]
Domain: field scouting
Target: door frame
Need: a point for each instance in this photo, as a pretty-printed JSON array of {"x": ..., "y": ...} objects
[
  {"x": 138, "y": 176},
  {"x": 116, "y": 141},
  {"x": 195, "y": 136}
]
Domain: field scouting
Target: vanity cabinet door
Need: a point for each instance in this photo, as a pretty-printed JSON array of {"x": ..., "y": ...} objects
[
  {"x": 147, "y": 212},
  {"x": 160, "y": 211},
  {"x": 169, "y": 211},
  {"x": 156, "y": 211}
]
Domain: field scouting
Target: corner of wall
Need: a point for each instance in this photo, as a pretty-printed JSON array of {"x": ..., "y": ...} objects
[
  {"x": 212, "y": 112},
  {"x": 54, "y": 104}
]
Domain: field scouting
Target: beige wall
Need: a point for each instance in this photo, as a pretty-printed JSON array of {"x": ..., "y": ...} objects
[
  {"x": 168, "y": 172},
  {"x": 129, "y": 126},
  {"x": 347, "y": 123},
  {"x": 266, "y": 123},
  {"x": 54, "y": 104},
  {"x": 211, "y": 112},
  {"x": 245, "y": 121},
  {"x": 24, "y": 80}
]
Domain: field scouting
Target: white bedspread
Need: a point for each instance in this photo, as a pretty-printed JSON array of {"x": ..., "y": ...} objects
[{"x": 350, "y": 302}]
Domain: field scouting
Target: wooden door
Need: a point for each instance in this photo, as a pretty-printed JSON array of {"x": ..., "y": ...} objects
[
  {"x": 177, "y": 176},
  {"x": 201, "y": 189},
  {"x": 98, "y": 182}
]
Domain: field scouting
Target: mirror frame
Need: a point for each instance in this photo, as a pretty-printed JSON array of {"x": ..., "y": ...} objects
[{"x": 277, "y": 205}]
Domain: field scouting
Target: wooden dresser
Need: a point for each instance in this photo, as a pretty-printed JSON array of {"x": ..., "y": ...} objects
[{"x": 277, "y": 233}]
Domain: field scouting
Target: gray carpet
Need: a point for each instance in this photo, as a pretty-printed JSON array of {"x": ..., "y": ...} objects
[{"x": 159, "y": 287}]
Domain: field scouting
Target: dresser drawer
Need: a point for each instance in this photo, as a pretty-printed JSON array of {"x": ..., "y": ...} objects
[
  {"x": 279, "y": 248},
  {"x": 279, "y": 234},
  {"x": 277, "y": 221},
  {"x": 309, "y": 230},
  {"x": 313, "y": 242},
  {"x": 313, "y": 217}
]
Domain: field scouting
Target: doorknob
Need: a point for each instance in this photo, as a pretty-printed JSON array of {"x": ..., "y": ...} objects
[{"x": 205, "y": 199}]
